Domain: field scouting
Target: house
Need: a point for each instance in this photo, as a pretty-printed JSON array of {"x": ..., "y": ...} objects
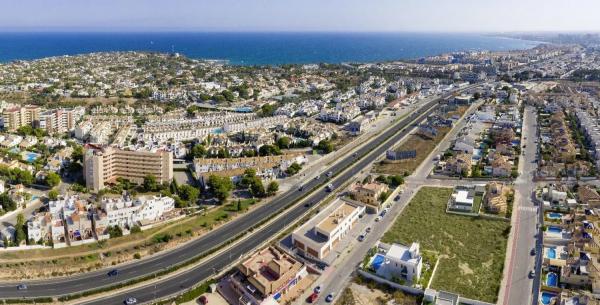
[
  {"x": 369, "y": 194},
  {"x": 588, "y": 195},
  {"x": 263, "y": 279},
  {"x": 459, "y": 165},
  {"x": 495, "y": 200},
  {"x": 462, "y": 198},
  {"x": 500, "y": 166},
  {"x": 398, "y": 262},
  {"x": 427, "y": 131},
  {"x": 462, "y": 145}
]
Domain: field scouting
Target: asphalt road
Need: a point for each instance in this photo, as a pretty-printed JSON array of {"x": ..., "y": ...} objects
[
  {"x": 93, "y": 280},
  {"x": 520, "y": 289}
]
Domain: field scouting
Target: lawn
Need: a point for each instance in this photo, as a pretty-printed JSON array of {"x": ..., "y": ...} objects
[{"x": 471, "y": 249}]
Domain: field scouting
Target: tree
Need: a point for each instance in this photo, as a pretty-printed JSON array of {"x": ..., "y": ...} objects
[
  {"x": 267, "y": 110},
  {"x": 325, "y": 146},
  {"x": 150, "y": 183},
  {"x": 293, "y": 169},
  {"x": 77, "y": 154},
  {"x": 272, "y": 188},
  {"x": 198, "y": 151},
  {"x": 284, "y": 142},
  {"x": 7, "y": 203},
  {"x": 220, "y": 186},
  {"x": 257, "y": 188},
  {"x": 52, "y": 179},
  {"x": 269, "y": 150},
  {"x": 115, "y": 231},
  {"x": 20, "y": 229},
  {"x": 53, "y": 194},
  {"x": 189, "y": 193}
]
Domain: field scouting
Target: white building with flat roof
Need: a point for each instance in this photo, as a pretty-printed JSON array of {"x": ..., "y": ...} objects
[
  {"x": 397, "y": 261},
  {"x": 318, "y": 237}
]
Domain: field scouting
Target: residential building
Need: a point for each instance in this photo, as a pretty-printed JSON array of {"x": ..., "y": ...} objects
[
  {"x": 588, "y": 195},
  {"x": 60, "y": 120},
  {"x": 400, "y": 262},
  {"x": 127, "y": 212},
  {"x": 495, "y": 200},
  {"x": 319, "y": 236},
  {"x": 368, "y": 194},
  {"x": 21, "y": 116},
  {"x": 104, "y": 164}
]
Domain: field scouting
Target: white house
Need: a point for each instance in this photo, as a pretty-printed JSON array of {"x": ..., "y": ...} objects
[{"x": 397, "y": 261}]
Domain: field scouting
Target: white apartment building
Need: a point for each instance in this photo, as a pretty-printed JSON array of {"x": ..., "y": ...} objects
[{"x": 126, "y": 212}]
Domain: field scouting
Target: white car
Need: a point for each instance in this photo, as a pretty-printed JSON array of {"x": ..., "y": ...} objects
[{"x": 378, "y": 219}]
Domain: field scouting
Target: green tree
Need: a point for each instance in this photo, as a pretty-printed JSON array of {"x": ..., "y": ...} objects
[
  {"x": 20, "y": 235},
  {"x": 272, "y": 188},
  {"x": 293, "y": 169},
  {"x": 53, "y": 194},
  {"x": 220, "y": 186},
  {"x": 267, "y": 110},
  {"x": 257, "y": 188},
  {"x": 7, "y": 203},
  {"x": 325, "y": 146},
  {"x": 115, "y": 231},
  {"x": 150, "y": 183},
  {"x": 284, "y": 142},
  {"x": 198, "y": 151},
  {"x": 189, "y": 193},
  {"x": 52, "y": 179}
]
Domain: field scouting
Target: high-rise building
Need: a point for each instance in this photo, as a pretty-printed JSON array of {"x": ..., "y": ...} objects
[
  {"x": 21, "y": 116},
  {"x": 60, "y": 120},
  {"x": 104, "y": 164}
]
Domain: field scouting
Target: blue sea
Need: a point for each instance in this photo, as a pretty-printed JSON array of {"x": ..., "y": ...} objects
[{"x": 256, "y": 48}]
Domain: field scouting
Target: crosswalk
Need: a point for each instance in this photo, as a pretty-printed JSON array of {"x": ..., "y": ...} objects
[{"x": 528, "y": 209}]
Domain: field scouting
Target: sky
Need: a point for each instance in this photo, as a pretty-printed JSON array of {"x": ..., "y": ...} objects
[{"x": 301, "y": 15}]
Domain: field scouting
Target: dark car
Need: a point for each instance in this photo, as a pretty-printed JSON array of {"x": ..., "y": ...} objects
[
  {"x": 532, "y": 252},
  {"x": 130, "y": 301},
  {"x": 113, "y": 272}
]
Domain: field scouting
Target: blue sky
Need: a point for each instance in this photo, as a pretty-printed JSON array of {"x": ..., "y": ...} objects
[{"x": 300, "y": 15}]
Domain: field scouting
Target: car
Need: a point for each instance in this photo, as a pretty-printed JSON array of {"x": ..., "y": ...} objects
[
  {"x": 361, "y": 237},
  {"x": 130, "y": 301},
  {"x": 532, "y": 274},
  {"x": 378, "y": 219},
  {"x": 301, "y": 188},
  {"x": 532, "y": 252},
  {"x": 317, "y": 177},
  {"x": 306, "y": 205},
  {"x": 329, "y": 298},
  {"x": 317, "y": 289},
  {"x": 22, "y": 287},
  {"x": 355, "y": 154},
  {"x": 312, "y": 298},
  {"x": 113, "y": 272},
  {"x": 397, "y": 198},
  {"x": 368, "y": 230}
]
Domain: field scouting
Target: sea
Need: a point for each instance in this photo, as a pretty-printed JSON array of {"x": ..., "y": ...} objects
[{"x": 256, "y": 48}]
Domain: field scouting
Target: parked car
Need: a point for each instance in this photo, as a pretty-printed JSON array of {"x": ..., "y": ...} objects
[
  {"x": 378, "y": 219},
  {"x": 329, "y": 298},
  {"x": 317, "y": 289},
  {"x": 313, "y": 297},
  {"x": 532, "y": 252},
  {"x": 532, "y": 274},
  {"x": 130, "y": 301},
  {"x": 203, "y": 300},
  {"x": 22, "y": 287},
  {"x": 361, "y": 237},
  {"x": 368, "y": 230}
]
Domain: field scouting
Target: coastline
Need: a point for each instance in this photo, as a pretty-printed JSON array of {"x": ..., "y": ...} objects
[{"x": 258, "y": 48}]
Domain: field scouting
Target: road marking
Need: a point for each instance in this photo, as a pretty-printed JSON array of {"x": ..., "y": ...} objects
[{"x": 528, "y": 209}]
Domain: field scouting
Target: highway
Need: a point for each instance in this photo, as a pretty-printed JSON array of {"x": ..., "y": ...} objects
[{"x": 93, "y": 280}]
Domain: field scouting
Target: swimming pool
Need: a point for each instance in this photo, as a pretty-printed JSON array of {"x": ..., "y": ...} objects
[
  {"x": 550, "y": 253},
  {"x": 377, "y": 261},
  {"x": 554, "y": 229},
  {"x": 30, "y": 156},
  {"x": 546, "y": 297},
  {"x": 552, "y": 279},
  {"x": 554, "y": 215}
]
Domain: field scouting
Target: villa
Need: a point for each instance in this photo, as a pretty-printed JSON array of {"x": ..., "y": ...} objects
[{"x": 398, "y": 263}]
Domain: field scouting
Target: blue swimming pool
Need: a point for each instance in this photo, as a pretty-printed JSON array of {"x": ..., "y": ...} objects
[
  {"x": 552, "y": 279},
  {"x": 554, "y": 229},
  {"x": 377, "y": 261},
  {"x": 30, "y": 156},
  {"x": 554, "y": 215},
  {"x": 551, "y": 253},
  {"x": 546, "y": 297}
]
